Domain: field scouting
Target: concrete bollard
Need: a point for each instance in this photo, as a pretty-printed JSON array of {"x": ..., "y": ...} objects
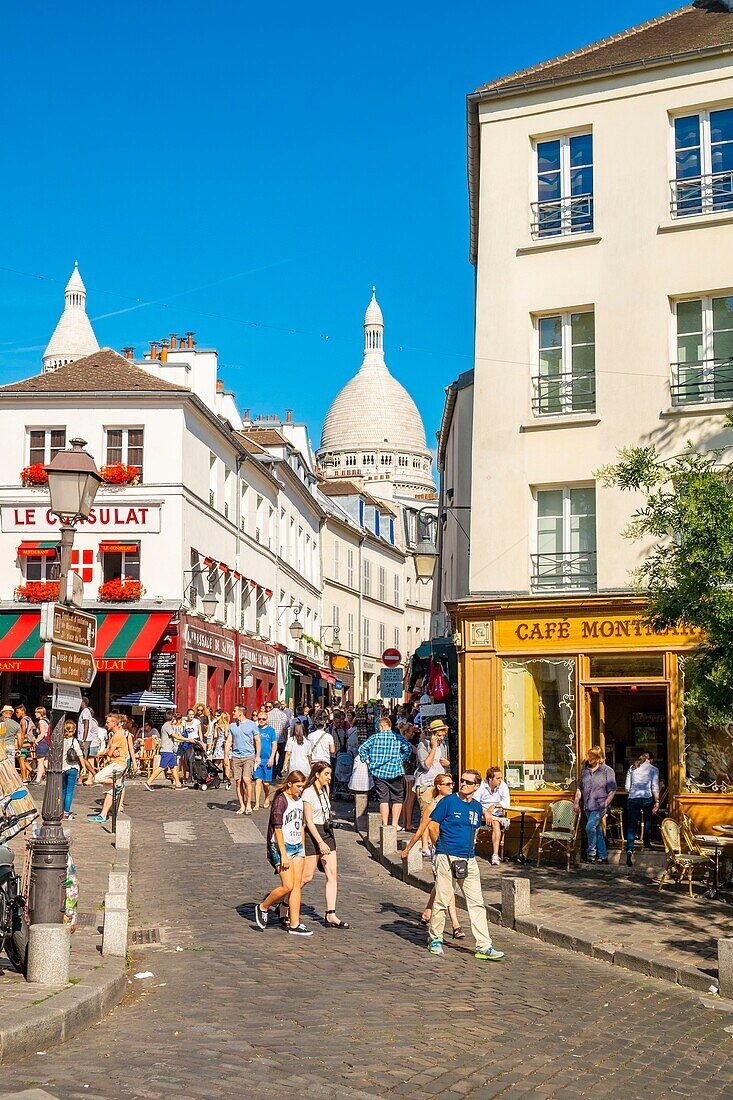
[
  {"x": 48, "y": 954},
  {"x": 515, "y": 901},
  {"x": 388, "y": 840},
  {"x": 115, "y": 901},
  {"x": 414, "y": 862},
  {"x": 114, "y": 935},
  {"x": 374, "y": 825},
  {"x": 725, "y": 968},
  {"x": 361, "y": 801},
  {"x": 124, "y": 832},
  {"x": 117, "y": 882}
]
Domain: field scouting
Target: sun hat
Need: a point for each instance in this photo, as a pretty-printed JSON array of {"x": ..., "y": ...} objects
[{"x": 436, "y": 724}]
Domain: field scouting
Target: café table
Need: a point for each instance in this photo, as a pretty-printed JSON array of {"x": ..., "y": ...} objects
[
  {"x": 519, "y": 856},
  {"x": 726, "y": 831},
  {"x": 718, "y": 844}
]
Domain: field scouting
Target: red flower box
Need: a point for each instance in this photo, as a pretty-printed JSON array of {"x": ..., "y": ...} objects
[
  {"x": 119, "y": 473},
  {"x": 118, "y": 591},
  {"x": 38, "y": 591},
  {"x": 34, "y": 475}
]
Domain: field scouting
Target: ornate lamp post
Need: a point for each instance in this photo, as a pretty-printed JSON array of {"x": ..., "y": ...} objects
[
  {"x": 73, "y": 480},
  {"x": 426, "y": 552},
  {"x": 335, "y": 638}
]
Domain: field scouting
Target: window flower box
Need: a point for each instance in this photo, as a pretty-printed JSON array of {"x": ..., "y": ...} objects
[
  {"x": 38, "y": 591},
  {"x": 119, "y": 473},
  {"x": 118, "y": 591},
  {"x": 34, "y": 475}
]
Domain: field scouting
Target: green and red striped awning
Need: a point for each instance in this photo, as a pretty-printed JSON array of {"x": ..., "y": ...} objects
[
  {"x": 38, "y": 549},
  {"x": 125, "y": 640}
]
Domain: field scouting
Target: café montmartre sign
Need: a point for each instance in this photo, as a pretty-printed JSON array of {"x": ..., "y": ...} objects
[{"x": 578, "y": 632}]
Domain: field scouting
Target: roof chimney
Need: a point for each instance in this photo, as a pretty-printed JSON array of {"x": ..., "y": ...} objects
[
  {"x": 219, "y": 386},
  {"x": 190, "y": 342},
  {"x": 153, "y": 349},
  {"x": 288, "y": 416},
  {"x": 164, "y": 351},
  {"x": 174, "y": 341},
  {"x": 129, "y": 353},
  {"x": 246, "y": 414}
]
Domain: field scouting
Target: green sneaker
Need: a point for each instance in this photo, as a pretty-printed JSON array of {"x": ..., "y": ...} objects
[
  {"x": 435, "y": 947},
  {"x": 489, "y": 953}
]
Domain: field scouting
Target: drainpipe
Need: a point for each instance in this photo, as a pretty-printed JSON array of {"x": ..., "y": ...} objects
[{"x": 360, "y": 627}]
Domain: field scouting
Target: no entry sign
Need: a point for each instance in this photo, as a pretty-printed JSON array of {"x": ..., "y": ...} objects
[{"x": 391, "y": 657}]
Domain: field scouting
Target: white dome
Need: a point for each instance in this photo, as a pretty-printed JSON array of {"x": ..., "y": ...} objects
[{"x": 73, "y": 338}]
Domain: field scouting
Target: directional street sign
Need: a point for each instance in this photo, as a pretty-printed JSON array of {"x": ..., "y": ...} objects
[
  {"x": 68, "y": 626},
  {"x": 66, "y": 697},
  {"x": 64, "y": 665},
  {"x": 391, "y": 683}
]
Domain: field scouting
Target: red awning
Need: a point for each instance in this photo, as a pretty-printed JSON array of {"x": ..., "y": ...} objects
[
  {"x": 125, "y": 640},
  {"x": 118, "y": 547},
  {"x": 327, "y": 676},
  {"x": 224, "y": 568},
  {"x": 38, "y": 549}
]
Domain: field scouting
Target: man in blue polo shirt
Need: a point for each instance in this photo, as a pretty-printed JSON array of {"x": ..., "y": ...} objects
[
  {"x": 242, "y": 753},
  {"x": 453, "y": 825}
]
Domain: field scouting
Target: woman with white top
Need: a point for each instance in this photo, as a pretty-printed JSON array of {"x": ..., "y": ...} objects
[
  {"x": 320, "y": 842},
  {"x": 298, "y": 750},
  {"x": 286, "y": 853},
  {"x": 642, "y": 783}
]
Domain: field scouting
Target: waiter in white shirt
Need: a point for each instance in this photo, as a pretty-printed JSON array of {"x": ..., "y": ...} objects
[{"x": 493, "y": 794}]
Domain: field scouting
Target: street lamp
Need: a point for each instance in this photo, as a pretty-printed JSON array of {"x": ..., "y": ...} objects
[
  {"x": 335, "y": 641},
  {"x": 426, "y": 552},
  {"x": 296, "y": 629},
  {"x": 73, "y": 480},
  {"x": 210, "y": 603}
]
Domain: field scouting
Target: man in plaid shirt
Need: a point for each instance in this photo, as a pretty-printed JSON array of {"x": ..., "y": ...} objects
[{"x": 386, "y": 752}]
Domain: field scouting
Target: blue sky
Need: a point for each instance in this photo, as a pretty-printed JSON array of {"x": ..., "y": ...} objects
[{"x": 251, "y": 173}]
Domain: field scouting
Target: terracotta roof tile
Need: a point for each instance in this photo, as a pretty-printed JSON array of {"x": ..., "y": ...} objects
[
  {"x": 686, "y": 30},
  {"x": 267, "y": 437},
  {"x": 103, "y": 371}
]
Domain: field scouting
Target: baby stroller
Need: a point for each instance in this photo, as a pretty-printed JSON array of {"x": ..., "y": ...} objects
[
  {"x": 344, "y": 768},
  {"x": 204, "y": 772}
]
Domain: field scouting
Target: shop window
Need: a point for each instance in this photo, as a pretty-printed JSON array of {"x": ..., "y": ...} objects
[
  {"x": 708, "y": 745},
  {"x": 564, "y": 186},
  {"x": 566, "y": 540},
  {"x": 124, "y": 445},
  {"x": 44, "y": 444},
  {"x": 539, "y": 723},
  {"x": 121, "y": 565},
  {"x": 626, "y": 667}
]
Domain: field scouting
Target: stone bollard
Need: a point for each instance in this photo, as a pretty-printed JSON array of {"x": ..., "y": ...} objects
[
  {"x": 114, "y": 935},
  {"x": 124, "y": 832},
  {"x": 361, "y": 801},
  {"x": 374, "y": 826},
  {"x": 388, "y": 840},
  {"x": 48, "y": 954},
  {"x": 414, "y": 862},
  {"x": 725, "y": 968},
  {"x": 514, "y": 899},
  {"x": 117, "y": 882},
  {"x": 115, "y": 901}
]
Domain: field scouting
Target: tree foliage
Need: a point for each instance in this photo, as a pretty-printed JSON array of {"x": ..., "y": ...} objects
[{"x": 688, "y": 574}]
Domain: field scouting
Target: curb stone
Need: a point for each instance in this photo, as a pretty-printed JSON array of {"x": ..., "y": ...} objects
[
  {"x": 68, "y": 1012},
  {"x": 651, "y": 966}
]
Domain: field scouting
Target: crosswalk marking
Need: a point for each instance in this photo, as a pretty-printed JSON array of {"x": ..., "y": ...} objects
[
  {"x": 179, "y": 832},
  {"x": 243, "y": 831}
]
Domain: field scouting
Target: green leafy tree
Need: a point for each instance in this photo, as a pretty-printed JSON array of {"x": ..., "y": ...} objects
[{"x": 688, "y": 575}]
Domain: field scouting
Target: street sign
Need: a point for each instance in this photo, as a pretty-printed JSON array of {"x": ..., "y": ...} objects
[
  {"x": 74, "y": 594},
  {"x": 391, "y": 657},
  {"x": 66, "y": 697},
  {"x": 68, "y": 626},
  {"x": 391, "y": 683},
  {"x": 64, "y": 665}
]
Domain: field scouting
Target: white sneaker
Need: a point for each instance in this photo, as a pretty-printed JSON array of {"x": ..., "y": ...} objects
[{"x": 495, "y": 861}]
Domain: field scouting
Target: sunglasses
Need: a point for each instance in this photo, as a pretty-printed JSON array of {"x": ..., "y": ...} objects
[
  {"x": 469, "y": 782},
  {"x": 445, "y": 782}
]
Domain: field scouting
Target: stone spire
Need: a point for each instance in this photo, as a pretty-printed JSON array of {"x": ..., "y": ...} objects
[
  {"x": 374, "y": 327},
  {"x": 73, "y": 338}
]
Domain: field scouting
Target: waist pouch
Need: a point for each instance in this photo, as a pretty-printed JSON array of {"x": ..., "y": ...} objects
[{"x": 459, "y": 869}]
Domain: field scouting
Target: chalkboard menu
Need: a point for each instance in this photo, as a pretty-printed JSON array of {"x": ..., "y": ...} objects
[
  {"x": 366, "y": 719},
  {"x": 163, "y": 682}
]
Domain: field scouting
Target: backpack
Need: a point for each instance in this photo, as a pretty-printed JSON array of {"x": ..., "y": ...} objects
[{"x": 438, "y": 687}]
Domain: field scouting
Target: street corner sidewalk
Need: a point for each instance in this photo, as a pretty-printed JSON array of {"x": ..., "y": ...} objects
[
  {"x": 607, "y": 914},
  {"x": 34, "y": 1016}
]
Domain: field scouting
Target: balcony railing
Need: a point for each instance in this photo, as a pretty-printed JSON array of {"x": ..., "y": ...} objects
[
  {"x": 563, "y": 572},
  {"x": 701, "y": 195},
  {"x": 560, "y": 217},
  {"x": 568, "y": 391},
  {"x": 708, "y": 380}
]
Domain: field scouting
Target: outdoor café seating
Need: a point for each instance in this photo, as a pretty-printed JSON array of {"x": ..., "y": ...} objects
[
  {"x": 559, "y": 829},
  {"x": 683, "y": 863}
]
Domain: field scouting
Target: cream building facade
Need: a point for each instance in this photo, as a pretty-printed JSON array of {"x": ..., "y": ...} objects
[{"x": 601, "y": 190}]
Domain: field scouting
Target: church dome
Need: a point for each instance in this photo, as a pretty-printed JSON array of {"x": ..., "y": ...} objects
[
  {"x": 373, "y": 408},
  {"x": 73, "y": 338}
]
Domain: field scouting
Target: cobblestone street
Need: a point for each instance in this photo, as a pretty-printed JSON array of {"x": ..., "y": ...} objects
[{"x": 363, "y": 1013}]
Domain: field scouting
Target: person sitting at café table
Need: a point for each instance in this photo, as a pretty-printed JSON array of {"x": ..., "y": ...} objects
[{"x": 493, "y": 794}]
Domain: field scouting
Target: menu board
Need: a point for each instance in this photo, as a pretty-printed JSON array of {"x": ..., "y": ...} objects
[
  {"x": 162, "y": 682},
  {"x": 366, "y": 720}
]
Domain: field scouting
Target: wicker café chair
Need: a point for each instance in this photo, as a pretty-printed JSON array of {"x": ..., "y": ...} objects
[
  {"x": 681, "y": 864},
  {"x": 559, "y": 829}
]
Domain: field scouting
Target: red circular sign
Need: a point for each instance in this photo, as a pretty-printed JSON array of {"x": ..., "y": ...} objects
[{"x": 391, "y": 657}]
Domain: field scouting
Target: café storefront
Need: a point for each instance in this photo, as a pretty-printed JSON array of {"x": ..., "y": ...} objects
[
  {"x": 257, "y": 672},
  {"x": 207, "y": 665},
  {"x": 542, "y": 681}
]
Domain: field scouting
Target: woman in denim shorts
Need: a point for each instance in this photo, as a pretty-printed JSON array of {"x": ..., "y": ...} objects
[{"x": 286, "y": 853}]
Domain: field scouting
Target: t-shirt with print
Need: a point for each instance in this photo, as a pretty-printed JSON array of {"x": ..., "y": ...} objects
[
  {"x": 458, "y": 822},
  {"x": 268, "y": 738},
  {"x": 287, "y": 814},
  {"x": 192, "y": 729}
]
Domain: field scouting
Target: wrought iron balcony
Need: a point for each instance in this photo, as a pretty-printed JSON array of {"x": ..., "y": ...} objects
[
  {"x": 701, "y": 195},
  {"x": 563, "y": 572},
  {"x": 566, "y": 392},
  {"x": 561, "y": 217},
  {"x": 708, "y": 380}
]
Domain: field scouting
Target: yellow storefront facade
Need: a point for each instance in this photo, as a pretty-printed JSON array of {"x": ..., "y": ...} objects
[{"x": 540, "y": 681}]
